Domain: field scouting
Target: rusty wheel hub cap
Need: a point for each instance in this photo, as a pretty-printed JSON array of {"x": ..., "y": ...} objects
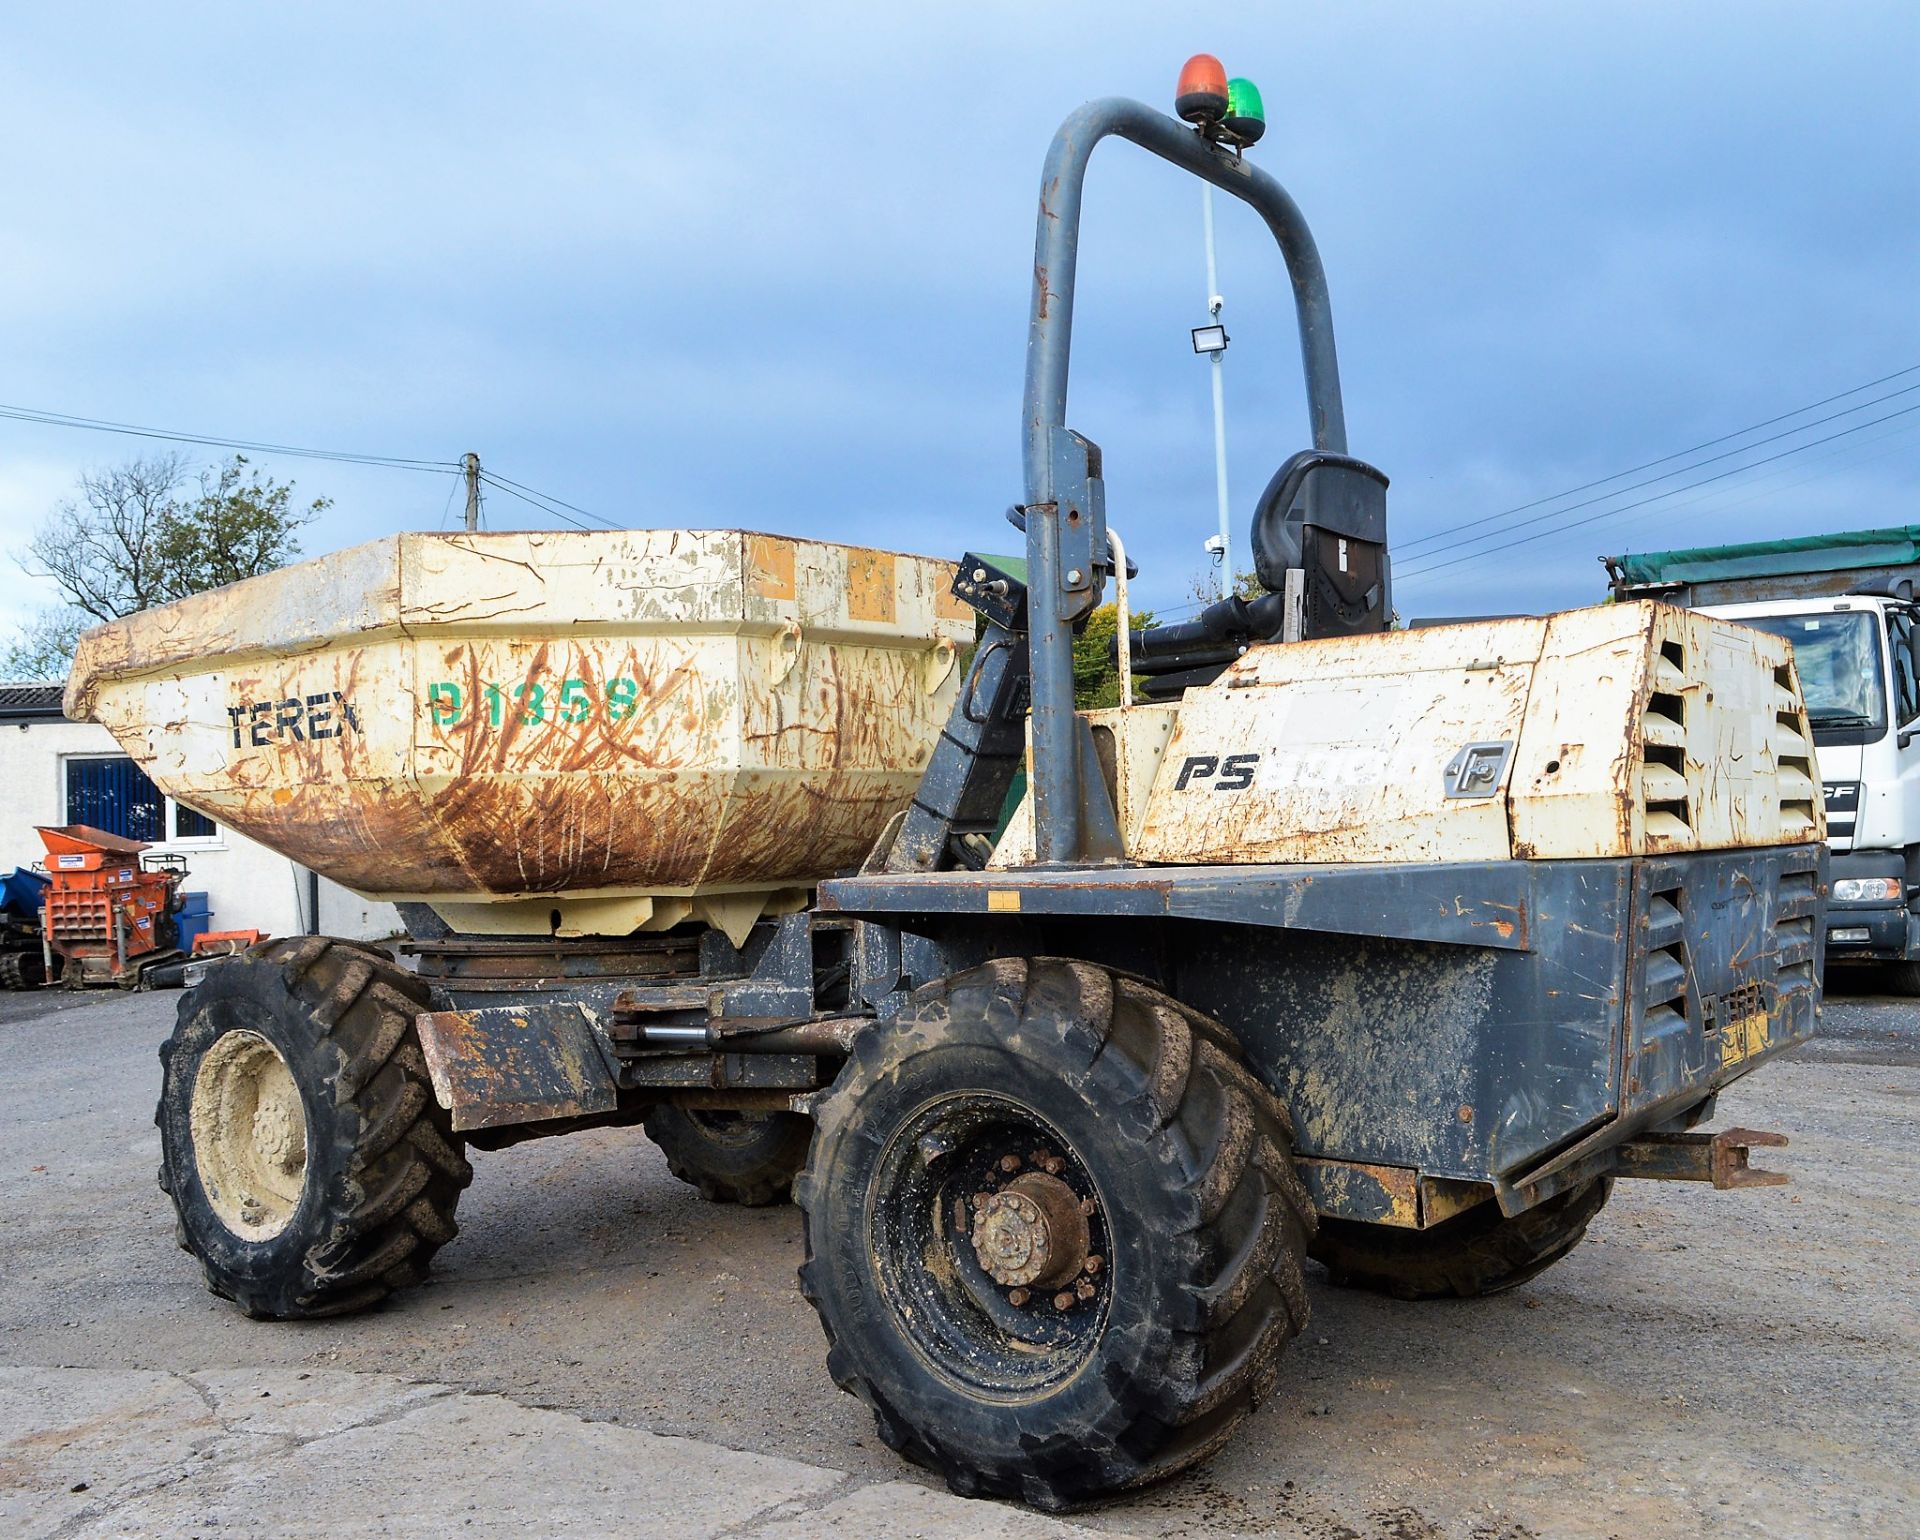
[{"x": 1031, "y": 1233}]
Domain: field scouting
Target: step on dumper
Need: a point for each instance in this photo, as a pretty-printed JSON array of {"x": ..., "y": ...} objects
[{"x": 1392, "y": 950}]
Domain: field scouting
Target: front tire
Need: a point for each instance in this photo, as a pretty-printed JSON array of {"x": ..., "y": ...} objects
[
  {"x": 311, "y": 1169},
  {"x": 1054, "y": 1233},
  {"x": 1479, "y": 1252}
]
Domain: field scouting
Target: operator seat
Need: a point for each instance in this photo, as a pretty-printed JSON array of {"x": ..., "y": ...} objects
[{"x": 1323, "y": 513}]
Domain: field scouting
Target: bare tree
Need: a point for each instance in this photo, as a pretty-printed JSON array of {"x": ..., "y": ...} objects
[
  {"x": 148, "y": 532},
  {"x": 104, "y": 551}
]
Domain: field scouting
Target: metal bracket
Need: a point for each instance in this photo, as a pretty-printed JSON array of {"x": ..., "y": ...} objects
[
  {"x": 1717, "y": 1158},
  {"x": 992, "y": 590},
  {"x": 502, "y": 1065},
  {"x": 1078, "y": 496},
  {"x": 1477, "y": 770}
]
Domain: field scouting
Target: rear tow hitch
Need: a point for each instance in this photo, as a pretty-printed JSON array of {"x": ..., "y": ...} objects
[{"x": 1717, "y": 1158}]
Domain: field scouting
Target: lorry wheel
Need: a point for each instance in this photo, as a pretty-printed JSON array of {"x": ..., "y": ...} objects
[
  {"x": 309, "y": 1164},
  {"x": 1478, "y": 1252},
  {"x": 1053, "y": 1232},
  {"x": 749, "y": 1158},
  {"x": 1901, "y": 978}
]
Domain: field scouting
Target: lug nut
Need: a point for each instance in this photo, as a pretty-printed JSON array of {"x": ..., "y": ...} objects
[
  {"x": 1009, "y": 1164},
  {"x": 1094, "y": 1264},
  {"x": 1084, "y": 1288},
  {"x": 979, "y": 1200},
  {"x": 1063, "y": 1300},
  {"x": 1086, "y": 1207},
  {"x": 1017, "y": 1297}
]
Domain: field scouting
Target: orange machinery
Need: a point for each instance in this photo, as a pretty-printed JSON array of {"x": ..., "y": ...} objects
[{"x": 105, "y": 912}]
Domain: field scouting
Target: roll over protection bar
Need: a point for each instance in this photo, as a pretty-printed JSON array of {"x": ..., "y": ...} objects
[{"x": 1065, "y": 511}]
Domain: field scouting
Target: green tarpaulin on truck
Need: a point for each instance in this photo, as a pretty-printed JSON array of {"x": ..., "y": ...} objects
[{"x": 1894, "y": 547}]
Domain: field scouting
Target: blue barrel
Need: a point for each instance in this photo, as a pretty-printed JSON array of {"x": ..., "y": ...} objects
[{"x": 194, "y": 920}]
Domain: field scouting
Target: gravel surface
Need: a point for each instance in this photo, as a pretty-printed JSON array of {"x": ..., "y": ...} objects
[{"x": 1706, "y": 1364}]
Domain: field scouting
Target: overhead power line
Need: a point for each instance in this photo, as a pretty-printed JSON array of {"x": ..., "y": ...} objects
[
  {"x": 1678, "y": 454},
  {"x": 1652, "y": 481},
  {"x": 134, "y": 430},
  {"x": 560, "y": 502},
  {"x": 546, "y": 503},
  {"x": 1608, "y": 513}
]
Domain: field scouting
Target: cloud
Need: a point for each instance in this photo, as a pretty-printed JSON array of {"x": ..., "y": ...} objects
[{"x": 770, "y": 266}]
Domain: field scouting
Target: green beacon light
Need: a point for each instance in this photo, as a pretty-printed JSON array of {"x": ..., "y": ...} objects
[{"x": 1246, "y": 118}]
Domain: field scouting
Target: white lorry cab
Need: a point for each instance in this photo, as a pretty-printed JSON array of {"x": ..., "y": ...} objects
[{"x": 1847, "y": 603}]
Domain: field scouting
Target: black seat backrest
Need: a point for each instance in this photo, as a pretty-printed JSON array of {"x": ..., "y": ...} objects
[{"x": 1327, "y": 514}]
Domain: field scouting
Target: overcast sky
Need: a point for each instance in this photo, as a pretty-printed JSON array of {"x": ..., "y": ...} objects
[{"x": 769, "y": 266}]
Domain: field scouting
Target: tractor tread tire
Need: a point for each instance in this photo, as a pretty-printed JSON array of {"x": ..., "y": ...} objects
[
  {"x": 385, "y": 1170},
  {"x": 1472, "y": 1254},
  {"x": 754, "y": 1170},
  {"x": 1224, "y": 1241},
  {"x": 21, "y": 970}
]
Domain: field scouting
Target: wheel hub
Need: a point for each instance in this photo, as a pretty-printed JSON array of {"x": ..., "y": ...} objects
[
  {"x": 1031, "y": 1233},
  {"x": 278, "y": 1134},
  {"x": 249, "y": 1135}
]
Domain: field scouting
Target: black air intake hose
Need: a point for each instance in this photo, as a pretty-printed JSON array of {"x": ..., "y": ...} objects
[{"x": 1218, "y": 634}]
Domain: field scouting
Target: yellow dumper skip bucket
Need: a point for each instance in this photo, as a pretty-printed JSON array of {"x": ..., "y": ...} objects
[{"x": 581, "y": 733}]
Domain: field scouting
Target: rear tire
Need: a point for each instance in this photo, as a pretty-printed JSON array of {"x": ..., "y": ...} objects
[
  {"x": 1058, "y": 1086},
  {"x": 749, "y": 1158},
  {"x": 1478, "y": 1252},
  {"x": 310, "y": 1167}
]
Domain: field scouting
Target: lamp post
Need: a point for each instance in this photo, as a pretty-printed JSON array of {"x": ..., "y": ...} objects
[
  {"x": 1212, "y": 340},
  {"x": 1229, "y": 115}
]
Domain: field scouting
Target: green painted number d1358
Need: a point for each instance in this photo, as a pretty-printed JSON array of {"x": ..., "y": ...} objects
[{"x": 532, "y": 704}]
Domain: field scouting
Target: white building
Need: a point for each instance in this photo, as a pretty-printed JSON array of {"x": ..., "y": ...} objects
[{"x": 53, "y": 771}]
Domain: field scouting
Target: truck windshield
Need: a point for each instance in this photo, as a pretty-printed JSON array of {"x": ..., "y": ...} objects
[{"x": 1838, "y": 654}]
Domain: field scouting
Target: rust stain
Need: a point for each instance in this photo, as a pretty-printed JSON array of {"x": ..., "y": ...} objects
[
  {"x": 1388, "y": 1195},
  {"x": 488, "y": 764}
]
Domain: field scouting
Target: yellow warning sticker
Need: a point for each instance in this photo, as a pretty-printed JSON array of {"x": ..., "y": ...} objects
[{"x": 1743, "y": 1038}]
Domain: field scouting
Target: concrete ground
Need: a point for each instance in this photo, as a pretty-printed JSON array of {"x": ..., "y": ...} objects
[{"x": 600, "y": 1352}]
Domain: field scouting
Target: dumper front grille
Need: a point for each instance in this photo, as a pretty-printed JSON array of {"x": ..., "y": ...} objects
[
  {"x": 1728, "y": 965},
  {"x": 1783, "y": 803},
  {"x": 1666, "y": 802},
  {"x": 1793, "y": 761}
]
